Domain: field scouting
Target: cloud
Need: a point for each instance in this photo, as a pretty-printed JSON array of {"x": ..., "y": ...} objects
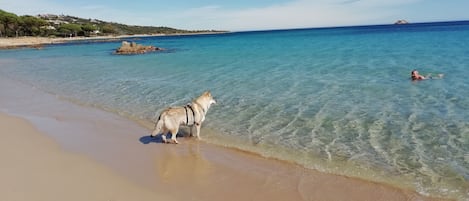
[
  {"x": 290, "y": 14},
  {"x": 295, "y": 14},
  {"x": 349, "y": 1}
]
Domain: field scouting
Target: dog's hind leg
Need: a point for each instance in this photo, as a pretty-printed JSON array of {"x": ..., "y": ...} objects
[
  {"x": 163, "y": 136},
  {"x": 174, "y": 132},
  {"x": 158, "y": 128}
]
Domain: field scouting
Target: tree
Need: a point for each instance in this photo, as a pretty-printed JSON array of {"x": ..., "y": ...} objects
[
  {"x": 88, "y": 28},
  {"x": 32, "y": 25},
  {"x": 108, "y": 28},
  {"x": 69, "y": 29},
  {"x": 10, "y": 23}
]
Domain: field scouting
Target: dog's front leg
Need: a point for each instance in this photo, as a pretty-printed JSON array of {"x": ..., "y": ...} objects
[
  {"x": 190, "y": 131},
  {"x": 197, "y": 131}
]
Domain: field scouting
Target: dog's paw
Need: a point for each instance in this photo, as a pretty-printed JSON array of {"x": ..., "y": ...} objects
[{"x": 170, "y": 141}]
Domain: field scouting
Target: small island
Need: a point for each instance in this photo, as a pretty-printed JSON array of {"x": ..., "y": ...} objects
[
  {"x": 133, "y": 48},
  {"x": 401, "y": 22}
]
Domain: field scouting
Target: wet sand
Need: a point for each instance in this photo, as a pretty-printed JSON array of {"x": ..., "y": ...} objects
[
  {"x": 94, "y": 145},
  {"x": 34, "y": 167}
]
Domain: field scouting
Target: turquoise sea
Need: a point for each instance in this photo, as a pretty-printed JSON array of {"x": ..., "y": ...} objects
[{"x": 338, "y": 100}]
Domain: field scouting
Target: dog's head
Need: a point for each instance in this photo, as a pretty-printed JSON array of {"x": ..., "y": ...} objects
[
  {"x": 207, "y": 96},
  {"x": 206, "y": 100}
]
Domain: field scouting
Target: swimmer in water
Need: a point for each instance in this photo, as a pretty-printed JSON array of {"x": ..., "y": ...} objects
[{"x": 414, "y": 75}]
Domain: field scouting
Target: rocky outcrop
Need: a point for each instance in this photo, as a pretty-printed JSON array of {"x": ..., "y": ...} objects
[
  {"x": 134, "y": 48},
  {"x": 401, "y": 22}
]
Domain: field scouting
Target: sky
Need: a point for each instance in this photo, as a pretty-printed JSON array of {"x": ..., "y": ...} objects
[{"x": 245, "y": 15}]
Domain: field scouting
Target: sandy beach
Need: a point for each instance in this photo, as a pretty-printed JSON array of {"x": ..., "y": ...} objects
[
  {"x": 38, "y": 42},
  {"x": 34, "y": 167},
  {"x": 56, "y": 150}
]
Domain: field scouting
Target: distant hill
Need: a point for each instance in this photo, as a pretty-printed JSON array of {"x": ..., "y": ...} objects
[{"x": 48, "y": 25}]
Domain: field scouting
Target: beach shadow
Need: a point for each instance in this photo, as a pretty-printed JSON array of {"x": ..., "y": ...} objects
[{"x": 147, "y": 139}]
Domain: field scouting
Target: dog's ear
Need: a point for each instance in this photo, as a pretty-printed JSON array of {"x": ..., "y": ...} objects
[{"x": 207, "y": 93}]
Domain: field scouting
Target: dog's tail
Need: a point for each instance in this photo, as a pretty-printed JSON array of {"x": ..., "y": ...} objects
[{"x": 158, "y": 127}]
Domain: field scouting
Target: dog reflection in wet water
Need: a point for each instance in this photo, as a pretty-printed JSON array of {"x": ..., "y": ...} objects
[{"x": 191, "y": 115}]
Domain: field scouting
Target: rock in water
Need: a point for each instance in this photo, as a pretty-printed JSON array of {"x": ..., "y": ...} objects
[{"x": 134, "y": 48}]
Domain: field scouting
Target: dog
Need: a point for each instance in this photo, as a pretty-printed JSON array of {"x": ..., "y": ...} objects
[{"x": 192, "y": 114}]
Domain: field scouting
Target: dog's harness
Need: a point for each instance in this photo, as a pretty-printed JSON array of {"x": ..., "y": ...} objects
[{"x": 193, "y": 115}]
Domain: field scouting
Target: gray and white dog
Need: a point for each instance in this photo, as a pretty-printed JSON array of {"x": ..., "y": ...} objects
[{"x": 190, "y": 115}]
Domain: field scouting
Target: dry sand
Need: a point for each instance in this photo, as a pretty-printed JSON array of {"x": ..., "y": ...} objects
[
  {"x": 37, "y": 42},
  {"x": 6, "y": 43},
  {"x": 71, "y": 152},
  {"x": 24, "y": 41}
]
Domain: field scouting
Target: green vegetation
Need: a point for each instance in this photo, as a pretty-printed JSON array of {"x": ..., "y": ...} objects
[{"x": 49, "y": 25}]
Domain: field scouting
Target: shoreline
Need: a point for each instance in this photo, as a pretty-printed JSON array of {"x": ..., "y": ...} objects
[
  {"x": 39, "y": 42},
  {"x": 191, "y": 170}
]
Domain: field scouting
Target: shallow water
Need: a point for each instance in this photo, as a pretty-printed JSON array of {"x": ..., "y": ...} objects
[{"x": 338, "y": 100}]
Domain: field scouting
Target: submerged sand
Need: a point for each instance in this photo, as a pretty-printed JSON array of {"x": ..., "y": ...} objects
[{"x": 57, "y": 150}]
